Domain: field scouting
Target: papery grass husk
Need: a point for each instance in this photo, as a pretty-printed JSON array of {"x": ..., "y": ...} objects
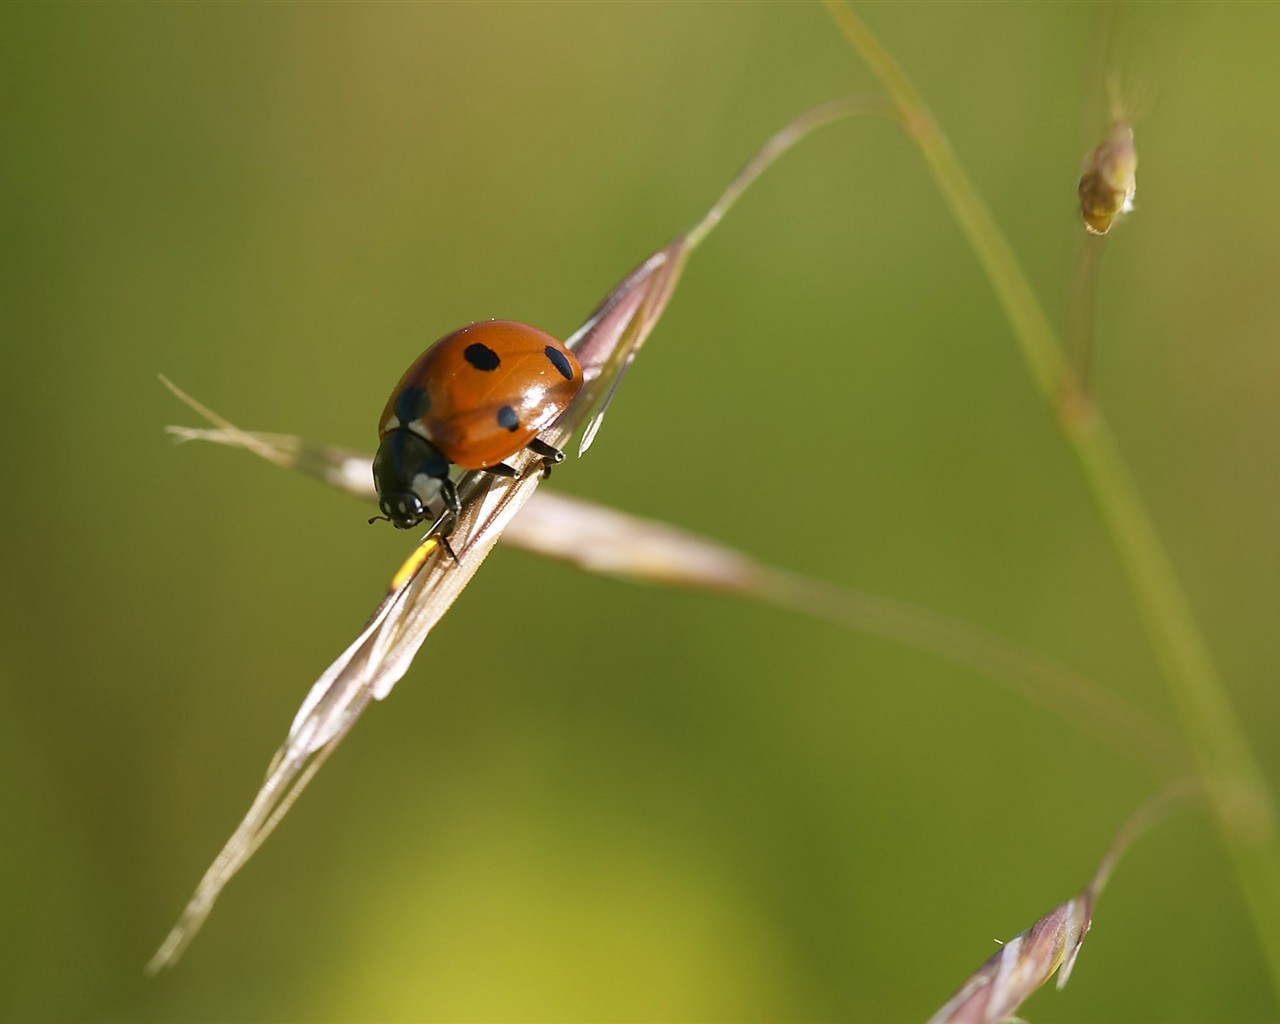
[
  {"x": 1025, "y": 963},
  {"x": 430, "y": 581}
]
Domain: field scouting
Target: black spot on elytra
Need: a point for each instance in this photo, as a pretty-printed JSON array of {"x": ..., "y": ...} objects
[
  {"x": 559, "y": 361},
  {"x": 507, "y": 418},
  {"x": 412, "y": 404},
  {"x": 482, "y": 357}
]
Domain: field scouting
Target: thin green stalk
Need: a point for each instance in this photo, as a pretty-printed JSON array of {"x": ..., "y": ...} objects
[
  {"x": 845, "y": 106},
  {"x": 1232, "y": 777}
]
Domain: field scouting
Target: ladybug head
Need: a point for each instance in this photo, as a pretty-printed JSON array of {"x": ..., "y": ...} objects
[{"x": 408, "y": 472}]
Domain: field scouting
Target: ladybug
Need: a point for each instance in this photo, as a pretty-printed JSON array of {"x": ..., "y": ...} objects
[{"x": 474, "y": 398}]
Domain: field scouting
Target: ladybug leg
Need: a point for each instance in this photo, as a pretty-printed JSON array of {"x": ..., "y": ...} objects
[
  {"x": 443, "y": 538},
  {"x": 551, "y": 455},
  {"x": 448, "y": 519}
]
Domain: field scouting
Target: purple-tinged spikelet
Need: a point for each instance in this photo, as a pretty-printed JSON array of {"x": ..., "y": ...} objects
[{"x": 1023, "y": 964}]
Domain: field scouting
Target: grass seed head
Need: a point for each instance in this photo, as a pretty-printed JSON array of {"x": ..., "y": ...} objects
[{"x": 1110, "y": 179}]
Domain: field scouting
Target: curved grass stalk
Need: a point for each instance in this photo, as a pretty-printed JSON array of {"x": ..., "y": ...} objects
[
  {"x": 834, "y": 110},
  {"x": 1234, "y": 784}
]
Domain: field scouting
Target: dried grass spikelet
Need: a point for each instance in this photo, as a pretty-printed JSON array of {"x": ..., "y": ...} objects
[
  {"x": 427, "y": 584},
  {"x": 1110, "y": 177},
  {"x": 1026, "y": 962},
  {"x": 1022, "y": 965}
]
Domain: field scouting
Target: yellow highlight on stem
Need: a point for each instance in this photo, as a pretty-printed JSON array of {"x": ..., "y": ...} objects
[{"x": 414, "y": 562}]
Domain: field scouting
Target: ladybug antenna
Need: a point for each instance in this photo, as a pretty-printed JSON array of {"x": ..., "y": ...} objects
[{"x": 385, "y": 519}]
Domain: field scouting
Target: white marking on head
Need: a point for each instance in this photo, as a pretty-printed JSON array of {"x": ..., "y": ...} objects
[{"x": 427, "y": 489}]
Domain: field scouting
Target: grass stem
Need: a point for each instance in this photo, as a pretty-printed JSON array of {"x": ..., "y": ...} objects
[{"x": 1233, "y": 780}]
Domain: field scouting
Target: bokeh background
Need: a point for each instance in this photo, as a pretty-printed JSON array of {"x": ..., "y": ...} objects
[{"x": 591, "y": 800}]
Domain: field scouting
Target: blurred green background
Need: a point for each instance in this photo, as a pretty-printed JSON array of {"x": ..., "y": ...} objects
[{"x": 590, "y": 800}]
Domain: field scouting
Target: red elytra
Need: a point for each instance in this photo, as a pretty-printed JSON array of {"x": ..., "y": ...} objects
[{"x": 483, "y": 392}]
